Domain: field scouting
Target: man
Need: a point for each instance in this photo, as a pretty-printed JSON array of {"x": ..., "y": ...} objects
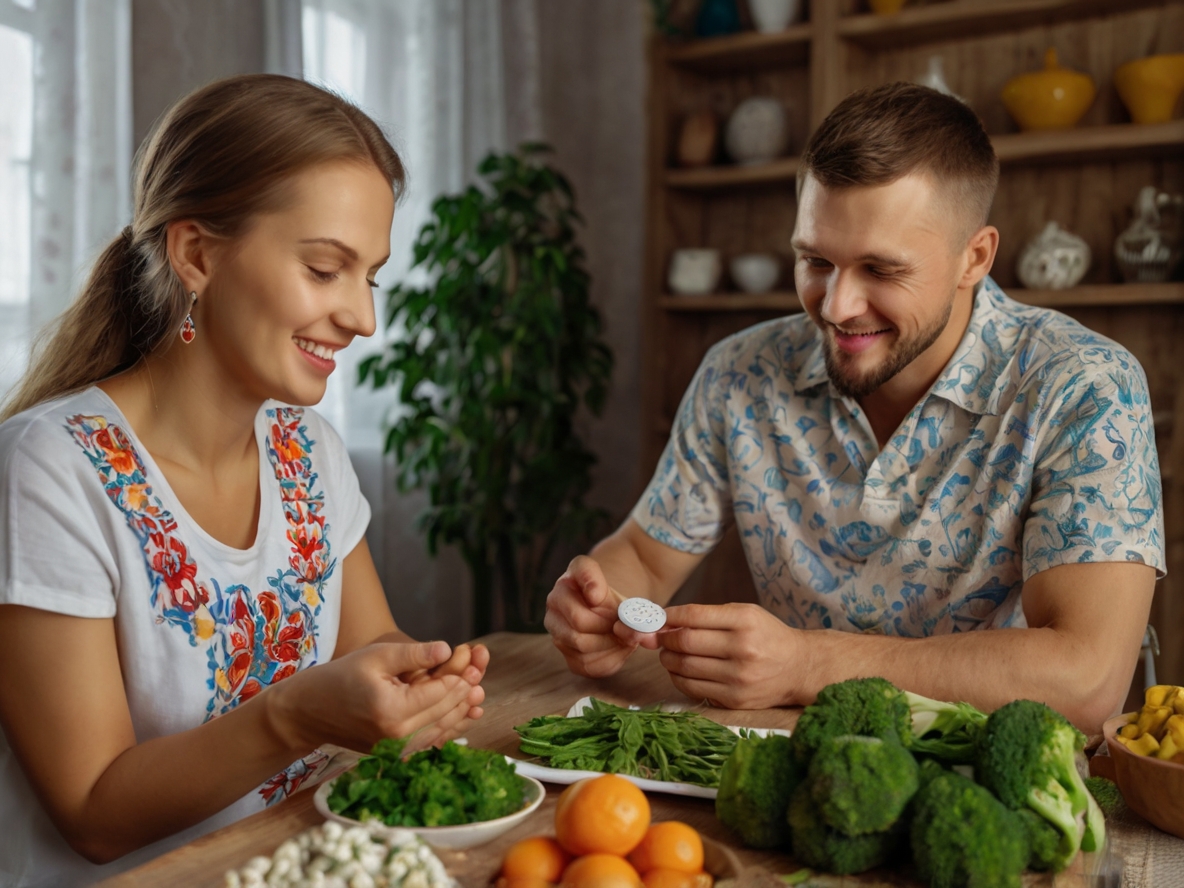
[{"x": 915, "y": 458}]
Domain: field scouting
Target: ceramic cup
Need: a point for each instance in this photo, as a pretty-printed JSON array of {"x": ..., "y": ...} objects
[
  {"x": 755, "y": 272},
  {"x": 694, "y": 271},
  {"x": 770, "y": 16}
]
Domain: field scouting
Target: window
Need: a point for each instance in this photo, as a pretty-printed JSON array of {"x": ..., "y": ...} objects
[{"x": 16, "y": 147}]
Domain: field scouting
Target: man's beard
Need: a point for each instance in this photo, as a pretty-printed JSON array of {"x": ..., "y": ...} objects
[{"x": 903, "y": 353}]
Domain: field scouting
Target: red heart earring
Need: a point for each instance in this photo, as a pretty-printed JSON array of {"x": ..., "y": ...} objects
[{"x": 188, "y": 330}]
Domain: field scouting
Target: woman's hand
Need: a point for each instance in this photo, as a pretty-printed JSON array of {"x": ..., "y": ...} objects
[
  {"x": 365, "y": 696},
  {"x": 463, "y": 657}
]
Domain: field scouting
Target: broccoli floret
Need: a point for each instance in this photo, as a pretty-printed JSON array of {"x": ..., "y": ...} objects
[
  {"x": 1028, "y": 756},
  {"x": 754, "y": 789},
  {"x": 947, "y": 731},
  {"x": 963, "y": 836},
  {"x": 1106, "y": 794},
  {"x": 928, "y": 770},
  {"x": 1044, "y": 840},
  {"x": 817, "y": 845},
  {"x": 872, "y": 707},
  {"x": 862, "y": 784}
]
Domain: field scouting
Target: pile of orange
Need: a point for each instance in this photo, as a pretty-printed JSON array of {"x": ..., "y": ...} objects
[{"x": 604, "y": 839}]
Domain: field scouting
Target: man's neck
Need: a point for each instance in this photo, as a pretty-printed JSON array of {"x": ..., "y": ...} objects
[{"x": 888, "y": 405}]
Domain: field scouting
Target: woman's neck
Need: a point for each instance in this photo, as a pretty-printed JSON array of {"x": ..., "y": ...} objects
[{"x": 184, "y": 414}]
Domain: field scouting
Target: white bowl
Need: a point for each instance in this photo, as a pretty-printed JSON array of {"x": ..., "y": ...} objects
[
  {"x": 465, "y": 835},
  {"x": 755, "y": 272}
]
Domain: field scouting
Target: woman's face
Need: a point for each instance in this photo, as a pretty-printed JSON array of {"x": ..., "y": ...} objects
[{"x": 296, "y": 287}]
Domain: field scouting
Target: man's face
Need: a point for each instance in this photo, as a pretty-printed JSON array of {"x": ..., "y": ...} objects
[{"x": 877, "y": 270}]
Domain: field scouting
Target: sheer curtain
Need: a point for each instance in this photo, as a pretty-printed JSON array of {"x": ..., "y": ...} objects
[
  {"x": 436, "y": 77},
  {"x": 65, "y": 156}
]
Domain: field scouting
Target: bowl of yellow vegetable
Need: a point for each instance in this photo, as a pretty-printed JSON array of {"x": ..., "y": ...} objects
[{"x": 1148, "y": 751}]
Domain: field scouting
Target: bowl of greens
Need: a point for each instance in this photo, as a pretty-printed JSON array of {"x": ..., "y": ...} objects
[{"x": 451, "y": 797}]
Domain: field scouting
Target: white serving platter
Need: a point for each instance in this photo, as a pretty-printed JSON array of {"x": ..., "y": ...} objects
[{"x": 566, "y": 776}]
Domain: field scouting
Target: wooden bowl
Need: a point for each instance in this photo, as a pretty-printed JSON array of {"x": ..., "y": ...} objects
[{"x": 1152, "y": 788}]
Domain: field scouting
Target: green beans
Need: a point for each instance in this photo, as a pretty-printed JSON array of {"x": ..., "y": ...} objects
[{"x": 681, "y": 747}]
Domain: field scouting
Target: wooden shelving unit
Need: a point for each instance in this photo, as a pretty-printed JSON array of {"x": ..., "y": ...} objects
[{"x": 1085, "y": 178}]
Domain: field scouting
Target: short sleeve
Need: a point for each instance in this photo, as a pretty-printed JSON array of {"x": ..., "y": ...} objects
[
  {"x": 348, "y": 508},
  {"x": 688, "y": 504},
  {"x": 55, "y": 536},
  {"x": 1096, "y": 489}
]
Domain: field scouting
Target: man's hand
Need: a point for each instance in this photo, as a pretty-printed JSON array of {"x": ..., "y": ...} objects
[
  {"x": 737, "y": 656},
  {"x": 581, "y": 613}
]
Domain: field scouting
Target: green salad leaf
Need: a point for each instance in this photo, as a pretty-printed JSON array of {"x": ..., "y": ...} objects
[
  {"x": 434, "y": 787},
  {"x": 682, "y": 747}
]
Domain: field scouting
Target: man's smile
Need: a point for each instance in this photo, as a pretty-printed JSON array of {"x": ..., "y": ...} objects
[{"x": 856, "y": 341}]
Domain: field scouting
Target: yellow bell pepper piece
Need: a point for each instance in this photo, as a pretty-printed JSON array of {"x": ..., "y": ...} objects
[
  {"x": 1174, "y": 728},
  {"x": 1130, "y": 732},
  {"x": 1178, "y": 701},
  {"x": 1152, "y": 719},
  {"x": 1156, "y": 694},
  {"x": 1145, "y": 745}
]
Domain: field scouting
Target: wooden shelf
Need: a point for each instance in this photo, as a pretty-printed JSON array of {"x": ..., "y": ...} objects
[
  {"x": 1118, "y": 141},
  {"x": 1090, "y": 296},
  {"x": 777, "y": 301},
  {"x": 1121, "y": 140},
  {"x": 783, "y": 170},
  {"x": 748, "y": 51},
  {"x": 959, "y": 19},
  {"x": 1102, "y": 295}
]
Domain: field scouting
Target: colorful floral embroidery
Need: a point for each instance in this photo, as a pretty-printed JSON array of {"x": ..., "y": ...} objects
[{"x": 254, "y": 640}]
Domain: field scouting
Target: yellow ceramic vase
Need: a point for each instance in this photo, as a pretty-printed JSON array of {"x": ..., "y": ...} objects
[
  {"x": 1055, "y": 98},
  {"x": 1150, "y": 87}
]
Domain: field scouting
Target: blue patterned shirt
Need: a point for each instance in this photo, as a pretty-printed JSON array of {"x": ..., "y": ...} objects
[{"x": 1034, "y": 448}]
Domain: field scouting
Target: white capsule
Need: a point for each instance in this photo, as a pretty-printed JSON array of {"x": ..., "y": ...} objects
[{"x": 641, "y": 614}]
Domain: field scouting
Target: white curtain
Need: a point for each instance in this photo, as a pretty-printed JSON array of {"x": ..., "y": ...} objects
[
  {"x": 435, "y": 75},
  {"x": 65, "y": 155}
]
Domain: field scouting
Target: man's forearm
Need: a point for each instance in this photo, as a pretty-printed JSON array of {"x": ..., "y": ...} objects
[{"x": 986, "y": 668}]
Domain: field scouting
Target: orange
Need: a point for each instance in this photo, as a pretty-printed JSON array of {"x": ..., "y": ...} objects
[
  {"x": 538, "y": 857},
  {"x": 668, "y": 878},
  {"x": 523, "y": 882},
  {"x": 605, "y": 814},
  {"x": 600, "y": 871},
  {"x": 669, "y": 845}
]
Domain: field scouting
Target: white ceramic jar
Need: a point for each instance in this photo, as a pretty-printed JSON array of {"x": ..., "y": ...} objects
[
  {"x": 770, "y": 16},
  {"x": 694, "y": 271},
  {"x": 757, "y": 131},
  {"x": 1053, "y": 260}
]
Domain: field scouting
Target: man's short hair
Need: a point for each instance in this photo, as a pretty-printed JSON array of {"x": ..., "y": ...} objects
[{"x": 875, "y": 136}]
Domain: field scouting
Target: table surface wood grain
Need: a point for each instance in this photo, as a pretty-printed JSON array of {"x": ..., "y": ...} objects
[{"x": 527, "y": 677}]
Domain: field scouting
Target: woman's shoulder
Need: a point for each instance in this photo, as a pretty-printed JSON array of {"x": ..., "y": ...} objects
[{"x": 46, "y": 429}]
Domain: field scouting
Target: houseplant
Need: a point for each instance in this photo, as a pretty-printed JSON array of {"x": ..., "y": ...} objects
[{"x": 492, "y": 362}]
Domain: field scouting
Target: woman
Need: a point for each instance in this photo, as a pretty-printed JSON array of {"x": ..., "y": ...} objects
[{"x": 188, "y": 608}]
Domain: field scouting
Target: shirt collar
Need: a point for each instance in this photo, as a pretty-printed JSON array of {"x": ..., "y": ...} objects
[
  {"x": 972, "y": 377},
  {"x": 970, "y": 380}
]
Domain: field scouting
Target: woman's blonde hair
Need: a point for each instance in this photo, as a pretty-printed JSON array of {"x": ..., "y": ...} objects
[{"x": 218, "y": 157}]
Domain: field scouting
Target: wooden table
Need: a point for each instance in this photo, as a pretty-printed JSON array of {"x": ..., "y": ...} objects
[{"x": 527, "y": 677}]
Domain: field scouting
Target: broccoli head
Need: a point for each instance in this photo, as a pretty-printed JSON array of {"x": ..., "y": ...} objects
[
  {"x": 872, "y": 707},
  {"x": 862, "y": 784},
  {"x": 817, "y": 845},
  {"x": 1028, "y": 756},
  {"x": 963, "y": 836},
  {"x": 946, "y": 731},
  {"x": 754, "y": 788},
  {"x": 1106, "y": 794}
]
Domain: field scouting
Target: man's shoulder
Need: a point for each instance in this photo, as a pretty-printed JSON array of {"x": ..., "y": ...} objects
[
  {"x": 784, "y": 348},
  {"x": 1050, "y": 350}
]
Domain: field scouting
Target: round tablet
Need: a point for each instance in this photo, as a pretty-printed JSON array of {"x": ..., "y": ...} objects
[{"x": 641, "y": 614}]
